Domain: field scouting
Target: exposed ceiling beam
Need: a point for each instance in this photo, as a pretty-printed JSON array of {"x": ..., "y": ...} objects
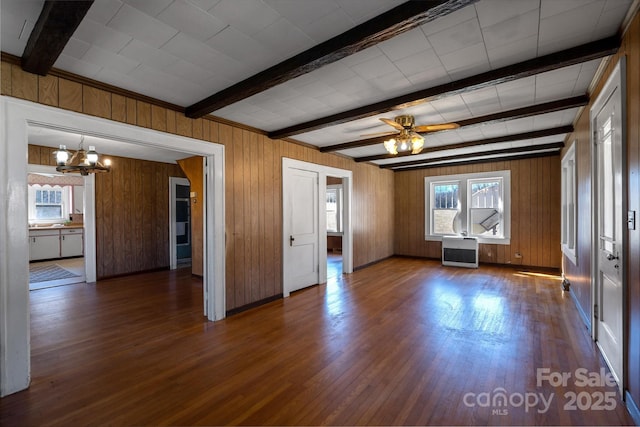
[
  {"x": 476, "y": 161},
  {"x": 518, "y": 113},
  {"x": 553, "y": 61},
  {"x": 58, "y": 20},
  {"x": 506, "y": 138},
  {"x": 396, "y": 21},
  {"x": 524, "y": 149}
]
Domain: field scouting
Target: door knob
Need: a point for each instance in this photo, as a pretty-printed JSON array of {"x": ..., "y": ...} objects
[
  {"x": 291, "y": 239},
  {"x": 611, "y": 257}
]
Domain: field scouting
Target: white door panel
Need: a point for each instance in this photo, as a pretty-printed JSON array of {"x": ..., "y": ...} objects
[
  {"x": 609, "y": 294},
  {"x": 301, "y": 266}
]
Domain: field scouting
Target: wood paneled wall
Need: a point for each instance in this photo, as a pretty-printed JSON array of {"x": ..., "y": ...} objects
[
  {"x": 132, "y": 214},
  {"x": 192, "y": 168},
  {"x": 253, "y": 180},
  {"x": 535, "y": 213},
  {"x": 580, "y": 275}
]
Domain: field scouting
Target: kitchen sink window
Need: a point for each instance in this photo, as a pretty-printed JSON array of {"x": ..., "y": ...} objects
[{"x": 49, "y": 204}]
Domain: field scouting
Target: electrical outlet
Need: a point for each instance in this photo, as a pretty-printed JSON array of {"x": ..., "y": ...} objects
[{"x": 518, "y": 255}]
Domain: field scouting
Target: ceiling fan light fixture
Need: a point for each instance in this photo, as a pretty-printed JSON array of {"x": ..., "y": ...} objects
[{"x": 404, "y": 142}]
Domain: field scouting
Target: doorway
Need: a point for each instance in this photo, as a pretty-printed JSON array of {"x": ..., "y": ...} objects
[
  {"x": 304, "y": 242},
  {"x": 18, "y": 116},
  {"x": 179, "y": 222},
  {"x": 609, "y": 209},
  {"x": 334, "y": 229},
  {"x": 56, "y": 235}
]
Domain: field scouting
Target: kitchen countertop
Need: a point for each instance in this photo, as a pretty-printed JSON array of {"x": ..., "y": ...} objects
[{"x": 59, "y": 227}]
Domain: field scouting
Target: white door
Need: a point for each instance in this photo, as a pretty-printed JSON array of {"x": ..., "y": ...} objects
[
  {"x": 609, "y": 277},
  {"x": 300, "y": 228}
]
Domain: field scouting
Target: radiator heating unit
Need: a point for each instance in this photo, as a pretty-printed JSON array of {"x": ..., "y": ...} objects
[{"x": 460, "y": 251}]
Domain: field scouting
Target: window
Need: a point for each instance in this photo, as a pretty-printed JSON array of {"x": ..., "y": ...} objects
[
  {"x": 569, "y": 214},
  {"x": 48, "y": 203},
  {"x": 334, "y": 208},
  {"x": 472, "y": 204}
]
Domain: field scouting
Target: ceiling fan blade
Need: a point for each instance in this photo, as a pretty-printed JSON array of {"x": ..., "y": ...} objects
[
  {"x": 379, "y": 134},
  {"x": 392, "y": 123},
  {"x": 433, "y": 128}
]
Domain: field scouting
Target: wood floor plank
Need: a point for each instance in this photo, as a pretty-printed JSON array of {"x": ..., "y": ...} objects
[{"x": 402, "y": 342}]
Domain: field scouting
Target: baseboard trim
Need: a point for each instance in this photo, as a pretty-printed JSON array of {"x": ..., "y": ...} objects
[
  {"x": 586, "y": 319},
  {"x": 253, "y": 305},
  {"x": 632, "y": 407},
  {"x": 369, "y": 264}
]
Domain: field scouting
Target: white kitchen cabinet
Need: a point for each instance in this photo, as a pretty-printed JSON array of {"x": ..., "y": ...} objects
[
  {"x": 55, "y": 243},
  {"x": 44, "y": 244},
  {"x": 71, "y": 242}
]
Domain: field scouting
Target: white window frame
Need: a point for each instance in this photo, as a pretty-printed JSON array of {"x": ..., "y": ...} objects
[
  {"x": 463, "y": 222},
  {"x": 65, "y": 203},
  {"x": 569, "y": 205},
  {"x": 339, "y": 209}
]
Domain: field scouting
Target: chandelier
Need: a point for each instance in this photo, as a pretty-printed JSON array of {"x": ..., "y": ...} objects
[
  {"x": 82, "y": 162},
  {"x": 405, "y": 141}
]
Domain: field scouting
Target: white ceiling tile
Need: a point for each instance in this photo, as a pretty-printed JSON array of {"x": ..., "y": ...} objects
[
  {"x": 191, "y": 20},
  {"x": 512, "y": 53},
  {"x": 76, "y": 48},
  {"x": 451, "y": 108},
  {"x": 303, "y": 13},
  {"x": 517, "y": 93},
  {"x": 143, "y": 27},
  {"x": 575, "y": 22},
  {"x": 611, "y": 17},
  {"x": 362, "y": 56},
  {"x": 353, "y": 86},
  {"x": 392, "y": 84},
  {"x": 375, "y": 67},
  {"x": 188, "y": 71},
  {"x": 407, "y": 44},
  {"x": 458, "y": 37},
  {"x": 284, "y": 38},
  {"x": 334, "y": 73},
  {"x": 107, "y": 59},
  {"x": 77, "y": 66},
  {"x": 430, "y": 78},
  {"x": 152, "y": 8},
  {"x": 202, "y": 55},
  {"x": 205, "y": 4},
  {"x": 520, "y": 125},
  {"x": 148, "y": 55},
  {"x": 507, "y": 32},
  {"x": 248, "y": 16},
  {"x": 418, "y": 63},
  {"x": 491, "y": 12},
  {"x": 325, "y": 27},
  {"x": 363, "y": 10},
  {"x": 449, "y": 21},
  {"x": 242, "y": 48},
  {"x": 95, "y": 33},
  {"x": 471, "y": 56},
  {"x": 556, "y": 7},
  {"x": 102, "y": 11}
]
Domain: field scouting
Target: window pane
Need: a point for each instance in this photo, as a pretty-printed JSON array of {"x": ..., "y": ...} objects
[
  {"x": 486, "y": 222},
  {"x": 486, "y": 194},
  {"x": 48, "y": 211},
  {"x": 445, "y": 196},
  {"x": 38, "y": 196},
  {"x": 332, "y": 210},
  {"x": 443, "y": 220}
]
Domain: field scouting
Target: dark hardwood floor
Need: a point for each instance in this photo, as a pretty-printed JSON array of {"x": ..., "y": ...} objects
[{"x": 403, "y": 342}]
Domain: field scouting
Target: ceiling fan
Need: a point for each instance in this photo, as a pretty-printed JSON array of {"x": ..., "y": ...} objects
[{"x": 409, "y": 137}]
